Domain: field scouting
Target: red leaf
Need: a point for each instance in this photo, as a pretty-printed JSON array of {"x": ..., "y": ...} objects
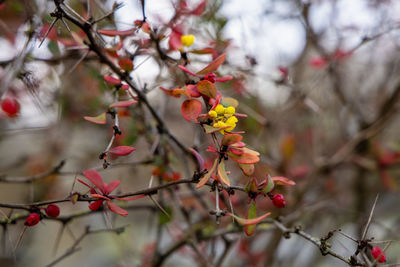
[
  {"x": 204, "y": 51},
  {"x": 112, "y": 80},
  {"x": 118, "y": 210},
  {"x": 111, "y": 186},
  {"x": 125, "y": 64},
  {"x": 117, "y": 33},
  {"x": 199, "y": 158},
  {"x": 130, "y": 198},
  {"x": 100, "y": 119},
  {"x": 279, "y": 180},
  {"x": 246, "y": 222},
  {"x": 122, "y": 104},
  {"x": 96, "y": 204},
  {"x": 191, "y": 109},
  {"x": 223, "y": 79},
  {"x": 99, "y": 196},
  {"x": 206, "y": 177},
  {"x": 213, "y": 65},
  {"x": 121, "y": 150},
  {"x": 207, "y": 88},
  {"x": 230, "y": 139},
  {"x": 95, "y": 178}
]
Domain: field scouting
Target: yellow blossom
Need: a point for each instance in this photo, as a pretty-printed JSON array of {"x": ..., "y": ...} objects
[
  {"x": 212, "y": 114},
  {"x": 220, "y": 109},
  {"x": 187, "y": 40}
]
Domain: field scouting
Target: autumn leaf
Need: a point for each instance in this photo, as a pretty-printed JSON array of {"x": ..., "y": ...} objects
[
  {"x": 213, "y": 65},
  {"x": 100, "y": 119},
  {"x": 191, "y": 109},
  {"x": 121, "y": 150}
]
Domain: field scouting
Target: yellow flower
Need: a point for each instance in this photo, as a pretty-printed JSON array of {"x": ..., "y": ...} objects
[
  {"x": 230, "y": 110},
  {"x": 220, "y": 109},
  {"x": 187, "y": 40}
]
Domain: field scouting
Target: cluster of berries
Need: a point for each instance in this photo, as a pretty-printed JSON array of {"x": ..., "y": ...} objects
[
  {"x": 223, "y": 118},
  {"x": 35, "y": 217},
  {"x": 378, "y": 254}
]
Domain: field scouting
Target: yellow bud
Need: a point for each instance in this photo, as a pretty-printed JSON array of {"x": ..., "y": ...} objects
[
  {"x": 230, "y": 110},
  {"x": 221, "y": 124},
  {"x": 187, "y": 40},
  {"x": 220, "y": 109},
  {"x": 215, "y": 125},
  {"x": 212, "y": 114}
]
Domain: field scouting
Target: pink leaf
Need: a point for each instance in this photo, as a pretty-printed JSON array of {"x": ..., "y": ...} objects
[
  {"x": 99, "y": 196},
  {"x": 95, "y": 178},
  {"x": 121, "y": 150},
  {"x": 116, "y": 32},
  {"x": 246, "y": 222},
  {"x": 199, "y": 158},
  {"x": 118, "y": 210},
  {"x": 191, "y": 109},
  {"x": 213, "y": 65},
  {"x": 175, "y": 40},
  {"x": 100, "y": 119},
  {"x": 122, "y": 104},
  {"x": 112, "y": 80},
  {"x": 283, "y": 181}
]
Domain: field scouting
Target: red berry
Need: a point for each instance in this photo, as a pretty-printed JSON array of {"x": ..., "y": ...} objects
[
  {"x": 32, "y": 219},
  {"x": 10, "y": 106},
  {"x": 52, "y": 211},
  {"x": 210, "y": 77},
  {"x": 377, "y": 253},
  {"x": 279, "y": 201}
]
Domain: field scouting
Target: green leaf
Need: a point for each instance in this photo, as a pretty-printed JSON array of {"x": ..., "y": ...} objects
[
  {"x": 251, "y": 214},
  {"x": 269, "y": 184},
  {"x": 209, "y": 129},
  {"x": 100, "y": 119},
  {"x": 163, "y": 218},
  {"x": 246, "y": 222}
]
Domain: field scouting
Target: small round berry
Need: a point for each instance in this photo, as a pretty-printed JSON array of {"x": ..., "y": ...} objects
[
  {"x": 279, "y": 201},
  {"x": 10, "y": 106},
  {"x": 187, "y": 40},
  {"x": 210, "y": 77},
  {"x": 377, "y": 253},
  {"x": 32, "y": 219},
  {"x": 212, "y": 114},
  {"x": 52, "y": 211}
]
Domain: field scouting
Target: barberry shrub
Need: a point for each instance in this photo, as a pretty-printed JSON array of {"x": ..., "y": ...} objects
[{"x": 154, "y": 121}]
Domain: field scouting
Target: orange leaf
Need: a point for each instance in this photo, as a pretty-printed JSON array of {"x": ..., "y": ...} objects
[
  {"x": 206, "y": 177},
  {"x": 246, "y": 222},
  {"x": 191, "y": 109},
  {"x": 283, "y": 181},
  {"x": 213, "y": 65},
  {"x": 207, "y": 88},
  {"x": 230, "y": 139},
  {"x": 222, "y": 174},
  {"x": 122, "y": 104},
  {"x": 125, "y": 64},
  {"x": 100, "y": 119}
]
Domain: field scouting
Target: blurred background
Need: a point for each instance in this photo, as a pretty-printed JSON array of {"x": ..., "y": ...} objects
[{"x": 318, "y": 79}]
